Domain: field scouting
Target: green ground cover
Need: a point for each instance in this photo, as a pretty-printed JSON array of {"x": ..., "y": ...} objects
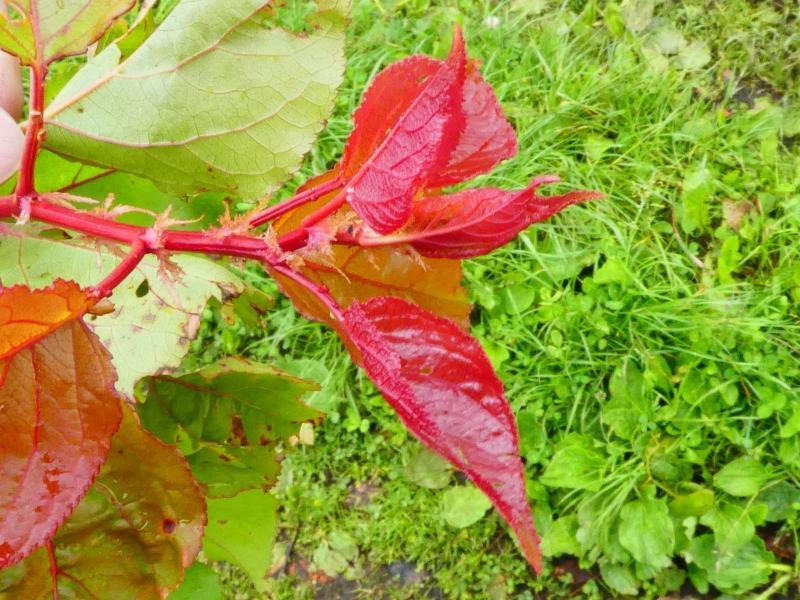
[{"x": 649, "y": 342}]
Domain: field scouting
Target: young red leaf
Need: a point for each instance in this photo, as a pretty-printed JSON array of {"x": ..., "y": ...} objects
[
  {"x": 420, "y": 141},
  {"x": 488, "y": 137},
  {"x": 388, "y": 97},
  {"x": 475, "y": 222},
  {"x": 442, "y": 385},
  {"x": 58, "y": 411}
]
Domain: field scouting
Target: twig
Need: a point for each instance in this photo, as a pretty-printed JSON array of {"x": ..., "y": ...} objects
[{"x": 304, "y": 197}]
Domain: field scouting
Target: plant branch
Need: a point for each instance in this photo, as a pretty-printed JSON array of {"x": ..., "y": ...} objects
[
  {"x": 155, "y": 239},
  {"x": 298, "y": 238},
  {"x": 80, "y": 182},
  {"x": 319, "y": 291},
  {"x": 33, "y": 137},
  {"x": 51, "y": 554},
  {"x": 309, "y": 195},
  {"x": 137, "y": 252}
]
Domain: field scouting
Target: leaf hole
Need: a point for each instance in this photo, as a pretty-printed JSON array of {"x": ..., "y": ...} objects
[
  {"x": 426, "y": 370},
  {"x": 169, "y": 526}
]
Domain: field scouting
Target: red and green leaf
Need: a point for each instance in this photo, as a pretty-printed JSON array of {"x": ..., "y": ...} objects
[
  {"x": 442, "y": 385},
  {"x": 47, "y": 30},
  {"x": 58, "y": 411},
  {"x": 133, "y": 534}
]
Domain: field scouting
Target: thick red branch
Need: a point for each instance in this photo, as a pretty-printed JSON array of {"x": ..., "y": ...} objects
[
  {"x": 25, "y": 183},
  {"x": 206, "y": 242}
]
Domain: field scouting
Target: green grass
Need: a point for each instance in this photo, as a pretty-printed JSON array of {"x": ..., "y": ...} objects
[{"x": 645, "y": 340}]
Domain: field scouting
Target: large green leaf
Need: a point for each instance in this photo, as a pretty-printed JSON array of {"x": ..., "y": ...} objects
[
  {"x": 213, "y": 100},
  {"x": 132, "y": 535},
  {"x": 46, "y": 30},
  {"x": 241, "y": 530},
  {"x": 228, "y": 419},
  {"x": 155, "y": 318}
]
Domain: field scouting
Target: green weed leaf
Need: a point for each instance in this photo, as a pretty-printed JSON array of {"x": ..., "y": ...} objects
[
  {"x": 463, "y": 506},
  {"x": 742, "y": 477},
  {"x": 646, "y": 531},
  {"x": 575, "y": 464}
]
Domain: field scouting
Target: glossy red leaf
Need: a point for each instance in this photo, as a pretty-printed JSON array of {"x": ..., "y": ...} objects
[
  {"x": 388, "y": 97},
  {"x": 442, "y": 385},
  {"x": 488, "y": 137},
  {"x": 58, "y": 411},
  {"x": 420, "y": 141},
  {"x": 475, "y": 222}
]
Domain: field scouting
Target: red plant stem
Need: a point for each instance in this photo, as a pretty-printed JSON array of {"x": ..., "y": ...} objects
[
  {"x": 51, "y": 554},
  {"x": 309, "y": 195},
  {"x": 296, "y": 239},
  {"x": 318, "y": 290},
  {"x": 205, "y": 242},
  {"x": 25, "y": 183},
  {"x": 120, "y": 273}
]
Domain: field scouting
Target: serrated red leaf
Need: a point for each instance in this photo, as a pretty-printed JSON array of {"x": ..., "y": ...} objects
[
  {"x": 475, "y": 222},
  {"x": 442, "y": 385},
  {"x": 58, "y": 411},
  {"x": 486, "y": 140},
  {"x": 420, "y": 141},
  {"x": 488, "y": 137}
]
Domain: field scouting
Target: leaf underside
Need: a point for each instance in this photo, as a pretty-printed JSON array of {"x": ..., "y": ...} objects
[
  {"x": 157, "y": 314},
  {"x": 231, "y": 110},
  {"x": 53, "y": 29}
]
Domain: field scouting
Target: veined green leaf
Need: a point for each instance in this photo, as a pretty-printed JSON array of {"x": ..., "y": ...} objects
[
  {"x": 213, "y": 100},
  {"x": 155, "y": 317},
  {"x": 227, "y": 418},
  {"x": 241, "y": 530}
]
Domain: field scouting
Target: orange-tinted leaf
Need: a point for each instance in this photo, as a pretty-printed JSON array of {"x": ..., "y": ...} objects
[
  {"x": 26, "y": 316},
  {"x": 352, "y": 273},
  {"x": 442, "y": 385},
  {"x": 133, "y": 534},
  {"x": 420, "y": 141},
  {"x": 475, "y": 222},
  {"x": 58, "y": 411}
]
